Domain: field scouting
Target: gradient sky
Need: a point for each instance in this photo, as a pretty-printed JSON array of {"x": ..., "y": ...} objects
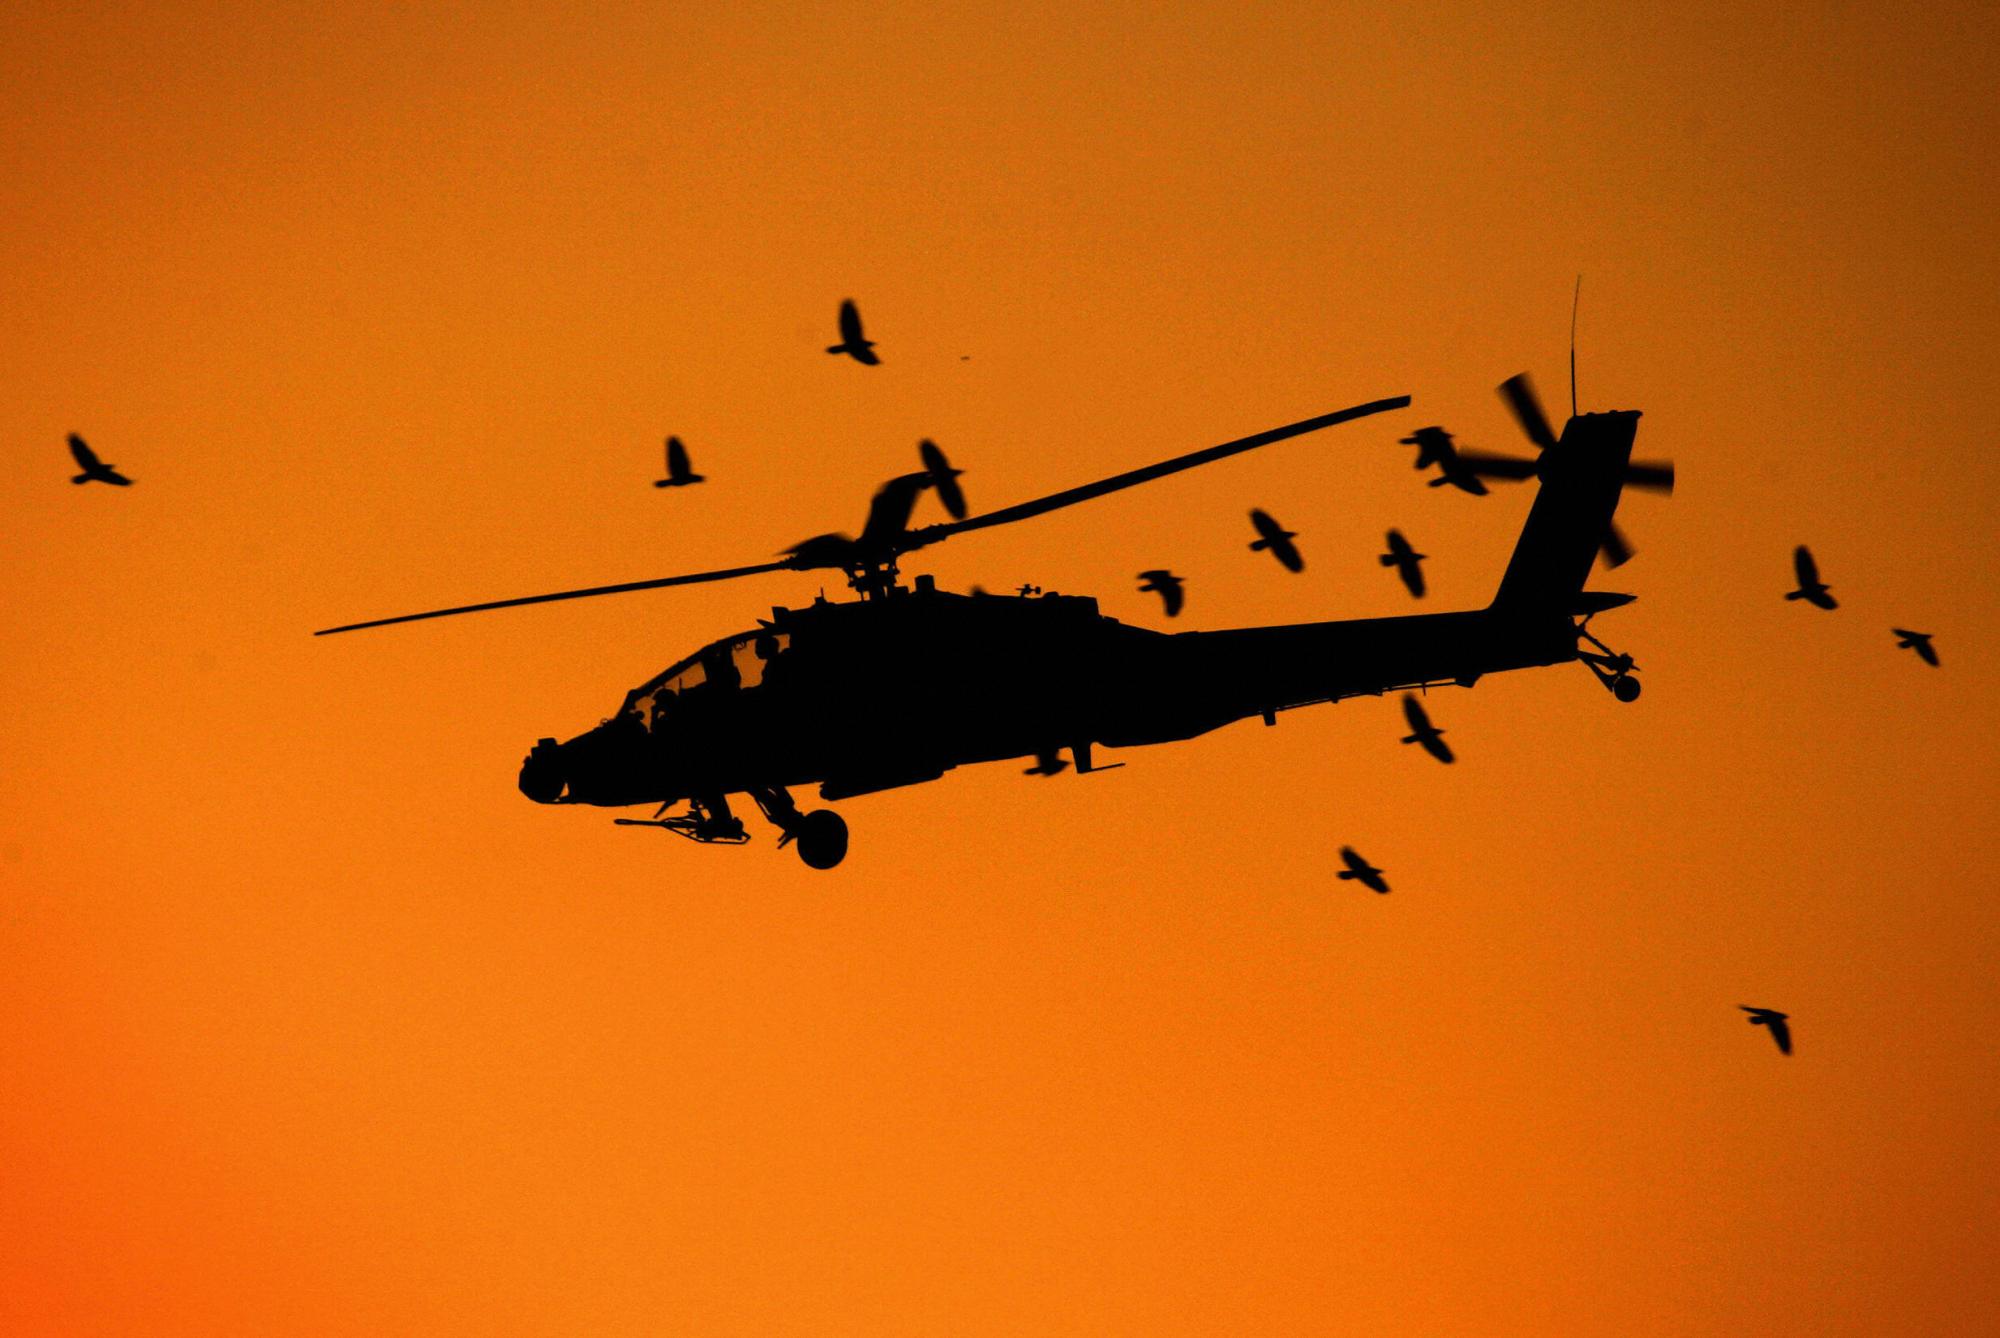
[{"x": 310, "y": 1023}]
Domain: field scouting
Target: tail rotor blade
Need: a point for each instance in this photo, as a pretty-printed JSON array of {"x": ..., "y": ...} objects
[
  {"x": 1519, "y": 392},
  {"x": 1653, "y": 475},
  {"x": 1617, "y": 549},
  {"x": 1499, "y": 466}
]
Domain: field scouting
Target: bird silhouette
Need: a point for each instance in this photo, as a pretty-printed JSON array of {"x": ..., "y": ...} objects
[
  {"x": 1407, "y": 562},
  {"x": 852, "y": 342},
  {"x": 1920, "y": 642},
  {"x": 1424, "y": 732},
  {"x": 1167, "y": 586},
  {"x": 1048, "y": 762},
  {"x": 679, "y": 473},
  {"x": 944, "y": 479},
  {"x": 1436, "y": 447},
  {"x": 1361, "y": 870},
  {"x": 1811, "y": 589},
  {"x": 1772, "y": 1018},
  {"x": 1277, "y": 540},
  {"x": 94, "y": 469}
]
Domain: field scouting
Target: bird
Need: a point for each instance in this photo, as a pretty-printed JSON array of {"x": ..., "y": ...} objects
[
  {"x": 1277, "y": 540},
  {"x": 1920, "y": 642},
  {"x": 1772, "y": 1018},
  {"x": 679, "y": 473},
  {"x": 1435, "y": 447},
  {"x": 1424, "y": 732},
  {"x": 943, "y": 478},
  {"x": 1361, "y": 870},
  {"x": 1048, "y": 762},
  {"x": 94, "y": 469},
  {"x": 852, "y": 342},
  {"x": 1811, "y": 589},
  {"x": 1167, "y": 586},
  {"x": 1407, "y": 562}
]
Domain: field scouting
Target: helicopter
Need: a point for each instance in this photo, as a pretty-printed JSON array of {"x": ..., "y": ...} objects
[{"x": 904, "y": 683}]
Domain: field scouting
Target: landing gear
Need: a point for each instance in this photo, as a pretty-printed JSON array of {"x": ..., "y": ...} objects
[
  {"x": 1613, "y": 670},
  {"x": 822, "y": 839},
  {"x": 821, "y": 834},
  {"x": 708, "y": 822}
]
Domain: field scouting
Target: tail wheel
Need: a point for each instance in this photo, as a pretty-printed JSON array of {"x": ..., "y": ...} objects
[
  {"x": 1625, "y": 689},
  {"x": 822, "y": 839}
]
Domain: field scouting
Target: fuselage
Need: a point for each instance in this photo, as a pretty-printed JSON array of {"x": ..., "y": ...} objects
[{"x": 870, "y": 695}]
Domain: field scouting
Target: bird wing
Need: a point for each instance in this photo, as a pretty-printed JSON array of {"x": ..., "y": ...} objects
[
  {"x": 1398, "y": 545},
  {"x": 109, "y": 475},
  {"x": 1804, "y": 567},
  {"x": 1439, "y": 749},
  {"x": 1266, "y": 527},
  {"x": 1170, "y": 591},
  {"x": 1287, "y": 553},
  {"x": 1413, "y": 711},
  {"x": 1781, "y": 1032},
  {"x": 1413, "y": 577},
  {"x": 850, "y": 322},
  {"x": 84, "y": 455},
  {"x": 677, "y": 459}
]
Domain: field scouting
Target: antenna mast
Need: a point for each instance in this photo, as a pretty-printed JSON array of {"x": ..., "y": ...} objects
[{"x": 1575, "y": 298}]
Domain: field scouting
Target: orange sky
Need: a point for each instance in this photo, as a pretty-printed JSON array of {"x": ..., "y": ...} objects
[{"x": 313, "y": 1024}]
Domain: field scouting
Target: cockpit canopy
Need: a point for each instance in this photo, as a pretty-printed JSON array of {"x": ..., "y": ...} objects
[{"x": 730, "y": 665}]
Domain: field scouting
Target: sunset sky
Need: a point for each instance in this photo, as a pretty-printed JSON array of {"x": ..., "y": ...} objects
[{"x": 310, "y": 1023}]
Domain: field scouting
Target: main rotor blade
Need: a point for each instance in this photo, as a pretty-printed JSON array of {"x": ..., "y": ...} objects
[
  {"x": 564, "y": 594},
  {"x": 1132, "y": 478},
  {"x": 1519, "y": 392},
  {"x": 1656, "y": 475},
  {"x": 1499, "y": 466}
]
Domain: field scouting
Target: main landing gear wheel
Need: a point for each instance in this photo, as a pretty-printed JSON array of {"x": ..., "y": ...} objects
[
  {"x": 822, "y": 838},
  {"x": 1625, "y": 689}
]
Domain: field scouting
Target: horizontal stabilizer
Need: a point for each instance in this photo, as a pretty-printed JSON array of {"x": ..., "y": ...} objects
[{"x": 1588, "y": 602}]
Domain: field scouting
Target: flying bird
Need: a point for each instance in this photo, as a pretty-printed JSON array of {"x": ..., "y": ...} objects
[
  {"x": 1772, "y": 1018},
  {"x": 679, "y": 473},
  {"x": 1407, "y": 562},
  {"x": 94, "y": 469},
  {"x": 1811, "y": 589},
  {"x": 1277, "y": 540},
  {"x": 852, "y": 342},
  {"x": 1920, "y": 642},
  {"x": 943, "y": 478},
  {"x": 1424, "y": 732},
  {"x": 1361, "y": 870},
  {"x": 1436, "y": 447},
  {"x": 1167, "y": 586}
]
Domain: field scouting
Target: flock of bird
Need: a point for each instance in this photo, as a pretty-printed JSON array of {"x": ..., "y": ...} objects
[{"x": 1458, "y": 468}]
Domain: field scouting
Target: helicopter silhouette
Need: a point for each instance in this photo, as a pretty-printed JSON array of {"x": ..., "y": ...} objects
[{"x": 906, "y": 683}]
